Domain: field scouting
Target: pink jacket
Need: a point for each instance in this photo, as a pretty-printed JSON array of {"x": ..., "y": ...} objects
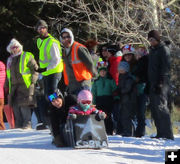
[
  {"x": 76, "y": 110},
  {"x": 2, "y": 79}
]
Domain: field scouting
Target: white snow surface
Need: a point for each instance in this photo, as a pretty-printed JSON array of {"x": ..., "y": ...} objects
[{"x": 19, "y": 146}]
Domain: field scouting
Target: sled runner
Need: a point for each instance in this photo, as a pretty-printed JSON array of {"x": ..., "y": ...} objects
[{"x": 85, "y": 132}]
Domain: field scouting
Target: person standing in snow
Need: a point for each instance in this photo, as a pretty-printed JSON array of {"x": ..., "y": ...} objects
[
  {"x": 78, "y": 64},
  {"x": 22, "y": 76},
  {"x": 158, "y": 77}
]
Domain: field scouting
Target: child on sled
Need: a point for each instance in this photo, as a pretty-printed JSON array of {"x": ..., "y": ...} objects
[{"x": 84, "y": 107}]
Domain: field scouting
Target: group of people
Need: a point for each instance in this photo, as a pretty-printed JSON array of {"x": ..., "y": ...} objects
[{"x": 118, "y": 81}]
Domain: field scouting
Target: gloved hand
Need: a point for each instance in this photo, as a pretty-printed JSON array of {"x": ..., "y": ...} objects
[
  {"x": 101, "y": 115},
  {"x": 40, "y": 70},
  {"x": 72, "y": 116}
]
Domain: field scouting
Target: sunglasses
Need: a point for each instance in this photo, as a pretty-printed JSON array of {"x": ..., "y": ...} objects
[
  {"x": 14, "y": 47},
  {"x": 40, "y": 27},
  {"x": 52, "y": 97},
  {"x": 85, "y": 102},
  {"x": 151, "y": 39},
  {"x": 66, "y": 37}
]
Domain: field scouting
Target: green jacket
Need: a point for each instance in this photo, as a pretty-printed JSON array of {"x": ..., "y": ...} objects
[{"x": 103, "y": 87}]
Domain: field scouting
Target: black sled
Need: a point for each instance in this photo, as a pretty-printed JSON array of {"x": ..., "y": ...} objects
[{"x": 85, "y": 132}]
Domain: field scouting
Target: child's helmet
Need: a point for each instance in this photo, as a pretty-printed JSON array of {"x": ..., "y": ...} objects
[{"x": 84, "y": 95}]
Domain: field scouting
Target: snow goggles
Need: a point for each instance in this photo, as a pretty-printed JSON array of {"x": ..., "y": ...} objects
[
  {"x": 52, "y": 97},
  {"x": 85, "y": 102}
]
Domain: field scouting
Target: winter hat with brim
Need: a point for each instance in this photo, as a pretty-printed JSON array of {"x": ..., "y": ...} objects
[
  {"x": 128, "y": 49},
  {"x": 13, "y": 43},
  {"x": 123, "y": 66},
  {"x": 41, "y": 23},
  {"x": 154, "y": 34},
  {"x": 69, "y": 32}
]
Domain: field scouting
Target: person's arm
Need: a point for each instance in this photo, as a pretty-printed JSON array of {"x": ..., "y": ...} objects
[
  {"x": 33, "y": 66},
  {"x": 55, "y": 56},
  {"x": 164, "y": 58},
  {"x": 86, "y": 58},
  {"x": 94, "y": 92}
]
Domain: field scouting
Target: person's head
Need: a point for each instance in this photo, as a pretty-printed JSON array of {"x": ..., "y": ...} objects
[
  {"x": 102, "y": 68},
  {"x": 103, "y": 51},
  {"x": 42, "y": 28},
  {"x": 91, "y": 45},
  {"x": 66, "y": 37},
  {"x": 14, "y": 47},
  {"x": 56, "y": 99},
  {"x": 84, "y": 99},
  {"x": 128, "y": 53},
  {"x": 140, "y": 52},
  {"x": 123, "y": 67},
  {"x": 154, "y": 38}
]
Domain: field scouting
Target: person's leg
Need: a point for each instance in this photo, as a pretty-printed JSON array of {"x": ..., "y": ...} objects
[
  {"x": 51, "y": 83},
  {"x": 141, "y": 108},
  {"x": 2, "y": 126},
  {"x": 17, "y": 116},
  {"x": 26, "y": 115},
  {"x": 126, "y": 119},
  {"x": 161, "y": 114},
  {"x": 56, "y": 127}
]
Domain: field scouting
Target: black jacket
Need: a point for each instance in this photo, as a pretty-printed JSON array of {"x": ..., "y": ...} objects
[
  {"x": 127, "y": 88},
  {"x": 158, "y": 65}
]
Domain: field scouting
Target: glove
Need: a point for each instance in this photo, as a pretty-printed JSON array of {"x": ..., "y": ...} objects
[
  {"x": 72, "y": 116},
  {"x": 40, "y": 70},
  {"x": 100, "y": 116}
]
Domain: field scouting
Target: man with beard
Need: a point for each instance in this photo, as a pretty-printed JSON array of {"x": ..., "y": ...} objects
[{"x": 50, "y": 61}]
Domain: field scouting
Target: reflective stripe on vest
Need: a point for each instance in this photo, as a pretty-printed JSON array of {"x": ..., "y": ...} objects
[
  {"x": 80, "y": 71},
  {"x": 23, "y": 69},
  {"x": 45, "y": 56},
  {"x": 9, "y": 79}
]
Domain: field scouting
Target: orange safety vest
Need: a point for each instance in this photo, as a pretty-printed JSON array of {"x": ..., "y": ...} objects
[{"x": 79, "y": 69}]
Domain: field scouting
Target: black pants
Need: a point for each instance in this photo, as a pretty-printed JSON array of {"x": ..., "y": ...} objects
[
  {"x": 105, "y": 103},
  {"x": 161, "y": 113},
  {"x": 125, "y": 119}
]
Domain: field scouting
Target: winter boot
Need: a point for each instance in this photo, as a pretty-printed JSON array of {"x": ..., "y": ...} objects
[{"x": 57, "y": 141}]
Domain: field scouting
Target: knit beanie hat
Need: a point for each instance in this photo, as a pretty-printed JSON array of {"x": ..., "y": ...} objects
[
  {"x": 41, "y": 23},
  {"x": 112, "y": 49},
  {"x": 123, "y": 66},
  {"x": 154, "y": 34},
  {"x": 128, "y": 49},
  {"x": 70, "y": 33}
]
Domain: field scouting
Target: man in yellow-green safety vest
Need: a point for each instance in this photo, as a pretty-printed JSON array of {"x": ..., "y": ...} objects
[{"x": 50, "y": 60}]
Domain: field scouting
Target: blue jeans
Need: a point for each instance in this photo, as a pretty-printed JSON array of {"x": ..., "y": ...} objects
[{"x": 51, "y": 83}]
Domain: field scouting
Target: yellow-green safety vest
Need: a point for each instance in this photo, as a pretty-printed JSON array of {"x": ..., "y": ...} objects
[
  {"x": 44, "y": 47},
  {"x": 23, "y": 69}
]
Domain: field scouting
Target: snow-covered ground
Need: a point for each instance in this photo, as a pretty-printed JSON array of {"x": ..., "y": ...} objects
[{"x": 34, "y": 147}]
